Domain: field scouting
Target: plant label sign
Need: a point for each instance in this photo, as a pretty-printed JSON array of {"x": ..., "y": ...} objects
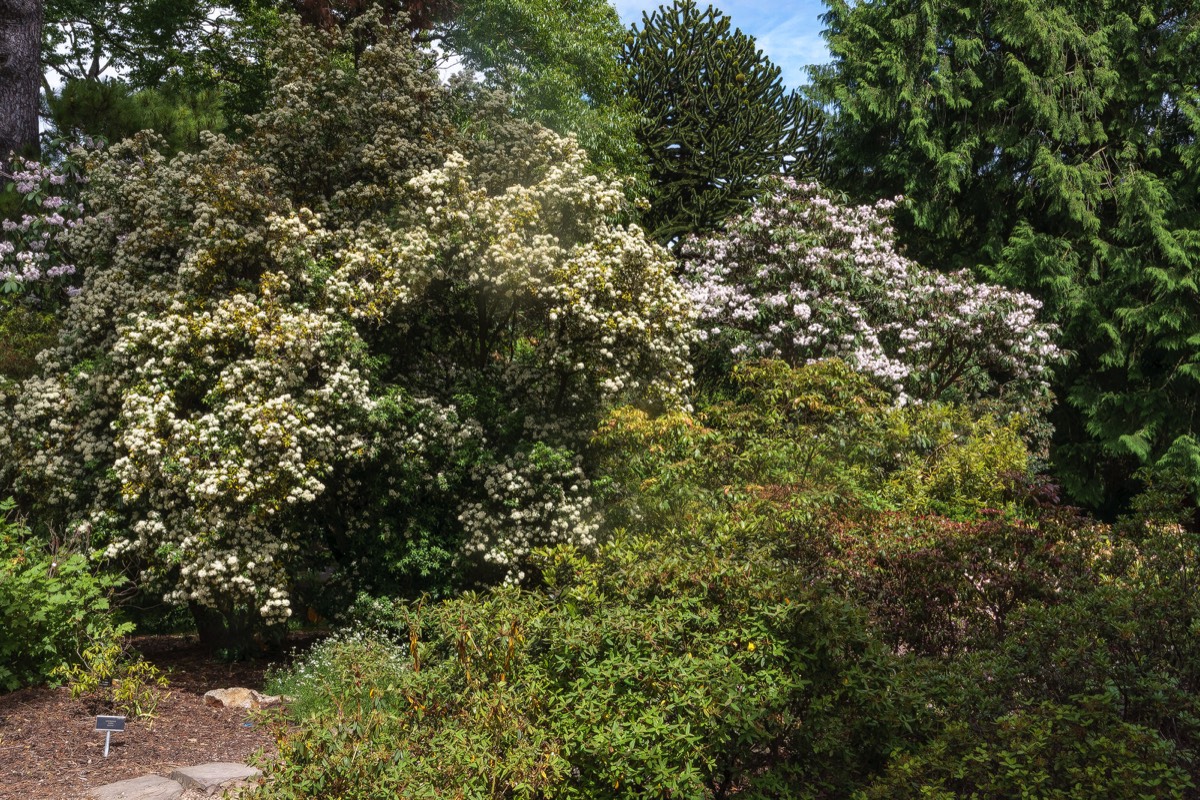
[{"x": 109, "y": 725}]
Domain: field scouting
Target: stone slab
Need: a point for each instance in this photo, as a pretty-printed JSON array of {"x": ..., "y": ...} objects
[
  {"x": 208, "y": 778},
  {"x": 147, "y": 787}
]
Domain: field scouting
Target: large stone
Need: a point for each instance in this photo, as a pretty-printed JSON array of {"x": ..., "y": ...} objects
[
  {"x": 208, "y": 778},
  {"x": 147, "y": 787},
  {"x": 239, "y": 698}
]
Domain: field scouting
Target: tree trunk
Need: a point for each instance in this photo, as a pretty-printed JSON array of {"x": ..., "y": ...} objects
[{"x": 20, "y": 76}]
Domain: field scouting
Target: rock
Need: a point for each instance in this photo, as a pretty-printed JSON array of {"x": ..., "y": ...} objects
[
  {"x": 147, "y": 787},
  {"x": 208, "y": 778},
  {"x": 240, "y": 698}
]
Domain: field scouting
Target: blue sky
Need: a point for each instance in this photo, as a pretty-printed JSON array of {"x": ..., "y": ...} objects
[{"x": 788, "y": 31}]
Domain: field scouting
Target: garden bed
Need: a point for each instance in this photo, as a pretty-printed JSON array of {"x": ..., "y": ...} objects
[{"x": 49, "y": 750}]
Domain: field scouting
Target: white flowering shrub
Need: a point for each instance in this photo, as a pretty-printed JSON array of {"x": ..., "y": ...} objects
[
  {"x": 379, "y": 367},
  {"x": 530, "y": 500},
  {"x": 512, "y": 317},
  {"x": 803, "y": 277}
]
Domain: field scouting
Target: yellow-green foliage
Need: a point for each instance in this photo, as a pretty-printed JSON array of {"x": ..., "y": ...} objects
[
  {"x": 808, "y": 430},
  {"x": 113, "y": 677},
  {"x": 949, "y": 461}
]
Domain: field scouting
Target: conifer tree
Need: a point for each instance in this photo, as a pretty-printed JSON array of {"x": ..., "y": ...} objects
[
  {"x": 1051, "y": 146},
  {"x": 716, "y": 118}
]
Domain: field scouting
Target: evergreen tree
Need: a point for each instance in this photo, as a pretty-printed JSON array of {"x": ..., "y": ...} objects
[
  {"x": 1051, "y": 146},
  {"x": 113, "y": 68},
  {"x": 716, "y": 118}
]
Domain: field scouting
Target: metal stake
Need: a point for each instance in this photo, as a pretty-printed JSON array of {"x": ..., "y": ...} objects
[{"x": 107, "y": 737}]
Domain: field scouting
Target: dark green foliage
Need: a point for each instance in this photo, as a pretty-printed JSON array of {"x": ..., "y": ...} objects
[
  {"x": 113, "y": 110},
  {"x": 183, "y": 67},
  {"x": 556, "y": 61},
  {"x": 1086, "y": 684},
  {"x": 51, "y": 601},
  {"x": 24, "y": 332},
  {"x": 688, "y": 667},
  {"x": 1052, "y": 147},
  {"x": 1057, "y": 752},
  {"x": 716, "y": 118},
  {"x": 559, "y": 61}
]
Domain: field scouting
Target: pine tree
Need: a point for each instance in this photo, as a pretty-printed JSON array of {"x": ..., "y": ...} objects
[
  {"x": 716, "y": 118},
  {"x": 1052, "y": 146}
]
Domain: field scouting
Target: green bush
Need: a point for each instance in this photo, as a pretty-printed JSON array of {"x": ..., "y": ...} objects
[
  {"x": 940, "y": 587},
  {"x": 1131, "y": 626},
  {"x": 819, "y": 431},
  {"x": 686, "y": 667},
  {"x": 50, "y": 600},
  {"x": 1077, "y": 751}
]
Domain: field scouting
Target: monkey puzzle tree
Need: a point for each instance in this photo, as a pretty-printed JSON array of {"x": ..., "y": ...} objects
[{"x": 716, "y": 118}]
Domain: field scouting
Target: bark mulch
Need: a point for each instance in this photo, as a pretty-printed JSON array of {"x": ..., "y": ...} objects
[{"x": 50, "y": 751}]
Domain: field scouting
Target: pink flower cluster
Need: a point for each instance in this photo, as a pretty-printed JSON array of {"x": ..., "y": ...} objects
[
  {"x": 802, "y": 277},
  {"x": 32, "y": 251}
]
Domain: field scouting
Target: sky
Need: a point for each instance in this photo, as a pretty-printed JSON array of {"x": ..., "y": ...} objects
[{"x": 787, "y": 31}]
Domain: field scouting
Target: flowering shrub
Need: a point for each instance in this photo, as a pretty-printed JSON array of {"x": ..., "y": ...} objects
[
  {"x": 355, "y": 363},
  {"x": 803, "y": 277},
  {"x": 31, "y": 250}
]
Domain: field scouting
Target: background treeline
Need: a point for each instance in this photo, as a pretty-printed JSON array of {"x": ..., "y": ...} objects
[{"x": 636, "y": 435}]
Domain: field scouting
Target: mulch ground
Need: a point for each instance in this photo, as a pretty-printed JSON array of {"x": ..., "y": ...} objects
[{"x": 49, "y": 749}]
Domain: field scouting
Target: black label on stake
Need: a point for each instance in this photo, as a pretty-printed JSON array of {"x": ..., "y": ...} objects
[{"x": 110, "y": 723}]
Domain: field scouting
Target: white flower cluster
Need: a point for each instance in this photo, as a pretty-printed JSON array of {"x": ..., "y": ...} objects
[
  {"x": 531, "y": 500},
  {"x": 594, "y": 304},
  {"x": 246, "y": 389},
  {"x": 197, "y": 403},
  {"x": 236, "y": 411},
  {"x": 802, "y": 277},
  {"x": 537, "y": 295}
]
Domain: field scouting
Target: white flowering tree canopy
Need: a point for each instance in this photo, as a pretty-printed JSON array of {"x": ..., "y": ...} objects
[
  {"x": 803, "y": 277},
  {"x": 365, "y": 345}
]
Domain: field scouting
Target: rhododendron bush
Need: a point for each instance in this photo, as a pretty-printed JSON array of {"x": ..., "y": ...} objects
[
  {"x": 803, "y": 277},
  {"x": 31, "y": 255},
  {"x": 357, "y": 342}
]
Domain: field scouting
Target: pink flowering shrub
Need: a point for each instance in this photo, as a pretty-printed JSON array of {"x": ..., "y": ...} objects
[
  {"x": 802, "y": 277},
  {"x": 32, "y": 251}
]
